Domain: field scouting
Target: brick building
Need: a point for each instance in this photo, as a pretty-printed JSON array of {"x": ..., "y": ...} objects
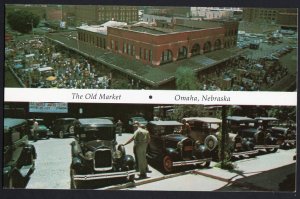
[
  {"x": 163, "y": 42},
  {"x": 96, "y": 14}
]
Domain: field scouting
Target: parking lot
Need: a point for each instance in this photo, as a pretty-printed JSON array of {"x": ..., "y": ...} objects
[{"x": 263, "y": 172}]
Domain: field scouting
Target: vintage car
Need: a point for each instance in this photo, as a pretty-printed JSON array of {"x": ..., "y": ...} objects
[
  {"x": 42, "y": 132},
  {"x": 171, "y": 149},
  {"x": 131, "y": 121},
  {"x": 286, "y": 135},
  {"x": 246, "y": 139},
  {"x": 205, "y": 130},
  {"x": 18, "y": 155},
  {"x": 95, "y": 155},
  {"x": 62, "y": 127}
]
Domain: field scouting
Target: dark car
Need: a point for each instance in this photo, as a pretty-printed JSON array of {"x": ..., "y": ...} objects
[
  {"x": 205, "y": 130},
  {"x": 63, "y": 127},
  {"x": 94, "y": 153},
  {"x": 171, "y": 149},
  {"x": 18, "y": 155},
  {"x": 247, "y": 139},
  {"x": 42, "y": 132},
  {"x": 286, "y": 135},
  {"x": 131, "y": 121}
]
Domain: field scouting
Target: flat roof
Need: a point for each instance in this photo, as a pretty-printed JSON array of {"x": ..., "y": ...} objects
[
  {"x": 203, "y": 119},
  {"x": 150, "y": 75},
  {"x": 101, "y": 29}
]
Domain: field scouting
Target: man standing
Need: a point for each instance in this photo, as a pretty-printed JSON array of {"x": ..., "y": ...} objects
[
  {"x": 141, "y": 139},
  {"x": 185, "y": 129},
  {"x": 35, "y": 128}
]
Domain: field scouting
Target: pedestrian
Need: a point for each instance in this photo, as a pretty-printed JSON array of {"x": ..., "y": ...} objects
[
  {"x": 35, "y": 129},
  {"x": 141, "y": 139},
  {"x": 185, "y": 129},
  {"x": 119, "y": 127}
]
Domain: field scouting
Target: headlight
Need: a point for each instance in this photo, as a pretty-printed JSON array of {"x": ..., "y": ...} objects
[
  {"x": 179, "y": 145},
  {"x": 89, "y": 155},
  {"x": 117, "y": 154},
  {"x": 197, "y": 144}
]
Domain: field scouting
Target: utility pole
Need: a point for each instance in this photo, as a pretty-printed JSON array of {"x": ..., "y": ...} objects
[{"x": 224, "y": 133}]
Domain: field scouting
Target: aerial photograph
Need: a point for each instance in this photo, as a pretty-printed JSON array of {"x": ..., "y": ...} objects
[
  {"x": 149, "y": 147},
  {"x": 150, "y": 47}
]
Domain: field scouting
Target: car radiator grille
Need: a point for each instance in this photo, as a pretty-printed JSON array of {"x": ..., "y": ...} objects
[
  {"x": 187, "y": 149},
  {"x": 103, "y": 159}
]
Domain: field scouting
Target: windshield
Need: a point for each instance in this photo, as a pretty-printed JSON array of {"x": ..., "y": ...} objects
[
  {"x": 165, "y": 130},
  {"x": 97, "y": 133}
]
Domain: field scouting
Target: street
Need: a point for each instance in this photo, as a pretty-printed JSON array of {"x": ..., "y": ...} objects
[{"x": 264, "y": 172}]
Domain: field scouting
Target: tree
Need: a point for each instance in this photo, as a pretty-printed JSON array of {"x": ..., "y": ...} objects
[
  {"x": 186, "y": 79},
  {"x": 22, "y": 20}
]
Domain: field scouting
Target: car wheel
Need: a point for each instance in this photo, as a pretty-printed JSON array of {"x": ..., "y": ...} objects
[
  {"x": 168, "y": 164},
  {"x": 271, "y": 150},
  {"x": 61, "y": 134}
]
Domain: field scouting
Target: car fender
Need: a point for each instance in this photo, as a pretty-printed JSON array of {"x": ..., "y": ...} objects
[
  {"x": 128, "y": 160},
  {"x": 171, "y": 152},
  {"x": 30, "y": 149}
]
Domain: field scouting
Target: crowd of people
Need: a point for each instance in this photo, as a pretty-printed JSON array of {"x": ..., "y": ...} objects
[{"x": 245, "y": 74}]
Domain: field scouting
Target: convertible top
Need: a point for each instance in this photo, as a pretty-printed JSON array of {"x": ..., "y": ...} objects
[
  {"x": 267, "y": 118},
  {"x": 203, "y": 119},
  {"x": 240, "y": 119},
  {"x": 10, "y": 122},
  {"x": 166, "y": 123},
  {"x": 95, "y": 122}
]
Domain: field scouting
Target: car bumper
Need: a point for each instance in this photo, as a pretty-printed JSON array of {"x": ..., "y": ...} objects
[
  {"x": 252, "y": 152},
  {"x": 266, "y": 146},
  {"x": 99, "y": 176},
  {"x": 191, "y": 162}
]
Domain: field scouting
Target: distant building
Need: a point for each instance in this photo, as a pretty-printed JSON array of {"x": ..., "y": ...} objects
[
  {"x": 162, "y": 42},
  {"x": 97, "y": 14},
  {"x": 271, "y": 15}
]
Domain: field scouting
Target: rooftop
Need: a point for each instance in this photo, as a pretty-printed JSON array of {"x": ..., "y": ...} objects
[
  {"x": 154, "y": 76},
  {"x": 102, "y": 29}
]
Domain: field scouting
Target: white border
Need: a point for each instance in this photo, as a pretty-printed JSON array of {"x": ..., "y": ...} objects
[{"x": 158, "y": 96}]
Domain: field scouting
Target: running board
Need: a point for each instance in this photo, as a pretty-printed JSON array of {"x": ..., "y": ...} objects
[
  {"x": 245, "y": 153},
  {"x": 266, "y": 146}
]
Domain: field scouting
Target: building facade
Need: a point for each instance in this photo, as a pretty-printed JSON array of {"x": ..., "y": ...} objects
[
  {"x": 97, "y": 14},
  {"x": 165, "y": 42}
]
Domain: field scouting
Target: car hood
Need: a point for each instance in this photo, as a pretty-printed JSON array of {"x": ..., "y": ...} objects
[
  {"x": 42, "y": 127},
  {"x": 97, "y": 144},
  {"x": 174, "y": 137}
]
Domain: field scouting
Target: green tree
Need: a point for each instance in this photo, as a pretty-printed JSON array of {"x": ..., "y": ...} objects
[
  {"x": 22, "y": 20},
  {"x": 186, "y": 79}
]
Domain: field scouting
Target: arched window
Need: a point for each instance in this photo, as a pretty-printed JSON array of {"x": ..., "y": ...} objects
[
  {"x": 182, "y": 52},
  {"x": 166, "y": 56},
  {"x": 218, "y": 44},
  {"x": 195, "y": 50},
  {"x": 207, "y": 47}
]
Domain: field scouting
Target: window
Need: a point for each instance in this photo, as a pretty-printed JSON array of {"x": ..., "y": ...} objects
[
  {"x": 124, "y": 47},
  {"x": 129, "y": 49},
  {"x": 150, "y": 55},
  {"x": 166, "y": 56},
  {"x": 146, "y": 54},
  {"x": 133, "y": 50},
  {"x": 112, "y": 44},
  {"x": 104, "y": 43},
  {"x": 117, "y": 46},
  {"x": 182, "y": 52},
  {"x": 141, "y": 53}
]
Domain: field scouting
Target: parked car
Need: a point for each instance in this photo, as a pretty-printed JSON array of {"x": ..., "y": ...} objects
[
  {"x": 62, "y": 127},
  {"x": 42, "y": 132},
  {"x": 95, "y": 155},
  {"x": 205, "y": 130},
  {"x": 18, "y": 155},
  {"x": 247, "y": 139},
  {"x": 285, "y": 135},
  {"x": 171, "y": 149},
  {"x": 131, "y": 121}
]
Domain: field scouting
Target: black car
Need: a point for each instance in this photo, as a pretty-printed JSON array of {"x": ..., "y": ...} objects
[
  {"x": 171, "y": 149},
  {"x": 42, "y": 132},
  {"x": 63, "y": 127},
  {"x": 247, "y": 139},
  {"x": 94, "y": 153},
  {"x": 18, "y": 155},
  {"x": 285, "y": 135}
]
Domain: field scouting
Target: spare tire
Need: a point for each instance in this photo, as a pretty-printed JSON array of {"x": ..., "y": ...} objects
[{"x": 211, "y": 142}]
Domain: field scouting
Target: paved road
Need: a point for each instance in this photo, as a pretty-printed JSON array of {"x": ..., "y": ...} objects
[{"x": 54, "y": 158}]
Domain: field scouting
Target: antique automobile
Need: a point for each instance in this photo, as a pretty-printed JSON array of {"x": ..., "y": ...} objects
[
  {"x": 286, "y": 136},
  {"x": 95, "y": 155},
  {"x": 62, "y": 127},
  {"x": 246, "y": 139},
  {"x": 42, "y": 132},
  {"x": 18, "y": 155},
  {"x": 171, "y": 149},
  {"x": 131, "y": 121},
  {"x": 205, "y": 130}
]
